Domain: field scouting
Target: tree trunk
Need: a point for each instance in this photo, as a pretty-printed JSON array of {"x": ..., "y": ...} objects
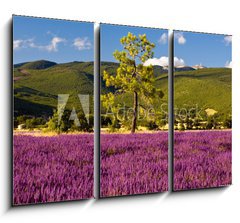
[{"x": 135, "y": 112}]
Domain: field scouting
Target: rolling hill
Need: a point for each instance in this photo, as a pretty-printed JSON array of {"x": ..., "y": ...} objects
[
  {"x": 35, "y": 65},
  {"x": 37, "y": 85},
  {"x": 208, "y": 88}
]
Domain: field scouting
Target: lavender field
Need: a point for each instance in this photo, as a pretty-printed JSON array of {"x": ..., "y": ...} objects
[
  {"x": 133, "y": 164},
  {"x": 50, "y": 169},
  {"x": 59, "y": 168},
  {"x": 202, "y": 159}
]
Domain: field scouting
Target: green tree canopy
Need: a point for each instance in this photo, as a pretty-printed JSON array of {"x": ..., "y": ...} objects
[{"x": 132, "y": 75}]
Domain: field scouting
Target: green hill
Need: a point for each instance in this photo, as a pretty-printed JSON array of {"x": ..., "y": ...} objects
[
  {"x": 40, "y": 64},
  {"x": 208, "y": 88},
  {"x": 37, "y": 85},
  {"x": 39, "y": 88}
]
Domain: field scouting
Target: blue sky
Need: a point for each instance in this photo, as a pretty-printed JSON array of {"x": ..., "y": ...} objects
[
  {"x": 49, "y": 39},
  {"x": 64, "y": 41},
  {"x": 210, "y": 50},
  {"x": 111, "y": 35},
  {"x": 190, "y": 48}
]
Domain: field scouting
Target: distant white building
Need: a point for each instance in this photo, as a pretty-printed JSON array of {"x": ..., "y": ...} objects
[{"x": 198, "y": 66}]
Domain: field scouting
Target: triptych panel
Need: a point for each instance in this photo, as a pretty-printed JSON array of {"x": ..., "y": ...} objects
[
  {"x": 203, "y": 111},
  {"x": 134, "y": 110},
  {"x": 53, "y": 86},
  {"x": 53, "y": 110}
]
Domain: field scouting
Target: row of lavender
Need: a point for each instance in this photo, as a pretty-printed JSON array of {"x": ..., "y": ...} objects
[
  {"x": 134, "y": 164},
  {"x": 202, "y": 159},
  {"x": 59, "y": 168},
  {"x": 49, "y": 169}
]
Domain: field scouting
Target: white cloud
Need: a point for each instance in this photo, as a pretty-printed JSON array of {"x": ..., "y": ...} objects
[
  {"x": 180, "y": 38},
  {"x": 82, "y": 43},
  {"x": 53, "y": 46},
  {"x": 163, "y": 38},
  {"x": 178, "y": 62},
  {"x": 228, "y": 64},
  {"x": 17, "y": 44},
  {"x": 228, "y": 40},
  {"x": 163, "y": 61}
]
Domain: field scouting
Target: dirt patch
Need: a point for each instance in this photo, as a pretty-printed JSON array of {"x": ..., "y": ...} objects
[{"x": 210, "y": 111}]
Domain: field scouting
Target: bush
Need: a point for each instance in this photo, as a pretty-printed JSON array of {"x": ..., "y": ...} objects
[
  {"x": 114, "y": 126},
  {"x": 209, "y": 125},
  {"x": 212, "y": 122},
  {"x": 152, "y": 125},
  {"x": 105, "y": 121},
  {"x": 181, "y": 127},
  {"x": 29, "y": 122},
  {"x": 196, "y": 123},
  {"x": 161, "y": 122},
  {"x": 227, "y": 123},
  {"x": 18, "y": 120},
  {"x": 189, "y": 124},
  {"x": 81, "y": 123}
]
